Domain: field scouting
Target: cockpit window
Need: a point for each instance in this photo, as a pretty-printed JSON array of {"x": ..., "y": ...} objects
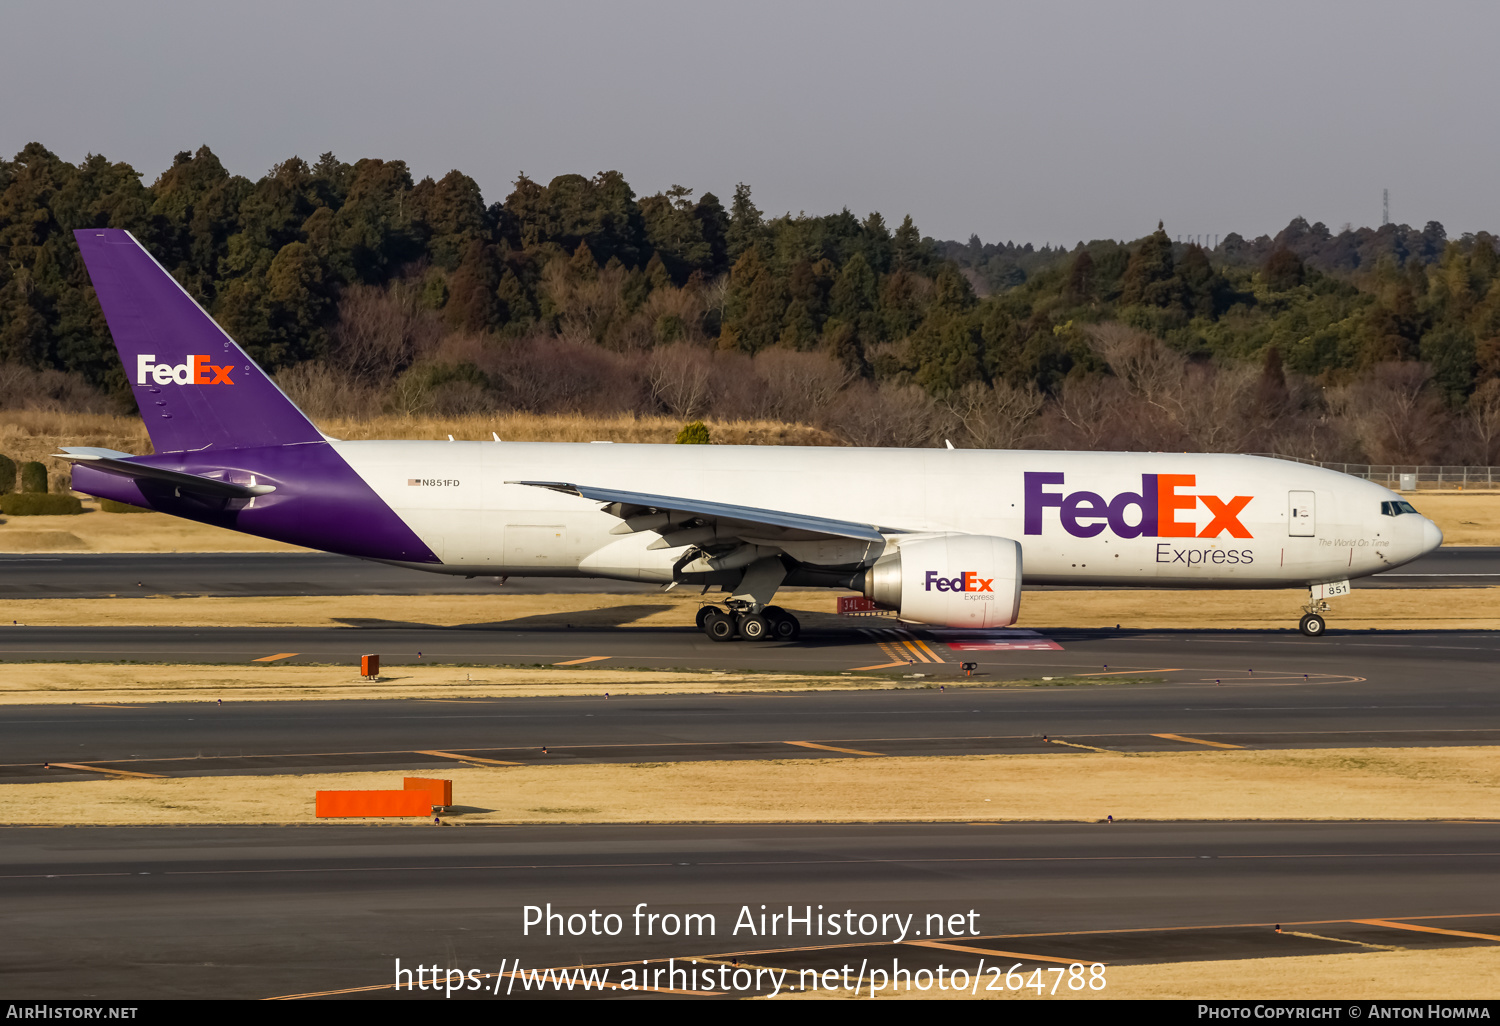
[{"x": 1395, "y": 509}]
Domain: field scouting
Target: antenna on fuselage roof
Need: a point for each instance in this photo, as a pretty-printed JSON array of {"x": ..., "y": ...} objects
[
  {"x": 948, "y": 443},
  {"x": 494, "y": 436}
]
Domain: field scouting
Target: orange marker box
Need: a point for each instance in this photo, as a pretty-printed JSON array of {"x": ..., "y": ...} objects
[
  {"x": 343, "y": 804},
  {"x": 441, "y": 790}
]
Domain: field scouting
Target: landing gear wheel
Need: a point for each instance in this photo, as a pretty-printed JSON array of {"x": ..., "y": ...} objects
[
  {"x": 785, "y": 627},
  {"x": 704, "y": 612},
  {"x": 718, "y": 626},
  {"x": 1312, "y": 625},
  {"x": 755, "y": 627}
]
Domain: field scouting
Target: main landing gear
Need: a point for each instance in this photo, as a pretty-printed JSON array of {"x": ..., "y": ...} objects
[{"x": 771, "y": 623}]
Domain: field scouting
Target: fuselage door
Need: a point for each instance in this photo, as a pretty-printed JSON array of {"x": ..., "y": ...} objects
[
  {"x": 535, "y": 545},
  {"x": 1301, "y": 521}
]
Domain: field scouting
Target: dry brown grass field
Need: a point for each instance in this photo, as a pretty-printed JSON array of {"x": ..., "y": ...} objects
[
  {"x": 1303, "y": 784},
  {"x": 37, "y": 434},
  {"x": 1450, "y": 974},
  {"x": 135, "y": 684}
]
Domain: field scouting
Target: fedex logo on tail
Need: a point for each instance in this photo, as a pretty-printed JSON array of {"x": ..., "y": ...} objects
[
  {"x": 1150, "y": 513},
  {"x": 197, "y": 371}
]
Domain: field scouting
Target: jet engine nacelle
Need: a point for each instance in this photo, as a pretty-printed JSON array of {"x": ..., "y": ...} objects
[{"x": 950, "y": 580}]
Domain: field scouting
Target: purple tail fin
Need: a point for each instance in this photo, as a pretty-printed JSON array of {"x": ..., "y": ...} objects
[{"x": 196, "y": 388}]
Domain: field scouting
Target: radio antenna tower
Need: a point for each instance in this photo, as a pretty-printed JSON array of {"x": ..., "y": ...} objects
[{"x": 1385, "y": 206}]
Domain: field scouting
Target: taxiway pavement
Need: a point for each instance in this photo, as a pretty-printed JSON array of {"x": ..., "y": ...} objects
[
  {"x": 1182, "y": 690},
  {"x": 254, "y": 912}
]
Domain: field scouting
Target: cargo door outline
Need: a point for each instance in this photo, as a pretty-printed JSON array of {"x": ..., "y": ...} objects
[
  {"x": 1301, "y": 519},
  {"x": 535, "y": 545}
]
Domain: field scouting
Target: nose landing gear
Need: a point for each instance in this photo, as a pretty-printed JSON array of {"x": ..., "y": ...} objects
[{"x": 1311, "y": 625}]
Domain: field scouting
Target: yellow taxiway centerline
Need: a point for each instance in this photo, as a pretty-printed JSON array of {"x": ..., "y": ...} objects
[
  {"x": 1196, "y": 741},
  {"x": 831, "y": 748},
  {"x": 1392, "y": 924},
  {"x": 468, "y": 758},
  {"x": 101, "y": 769}
]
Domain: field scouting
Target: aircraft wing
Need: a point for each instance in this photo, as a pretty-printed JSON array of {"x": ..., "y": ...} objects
[
  {"x": 668, "y": 513},
  {"x": 122, "y": 465}
]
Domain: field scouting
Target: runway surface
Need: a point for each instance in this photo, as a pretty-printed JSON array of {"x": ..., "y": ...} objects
[
  {"x": 103, "y": 575},
  {"x": 255, "y": 912},
  {"x": 1129, "y": 691}
]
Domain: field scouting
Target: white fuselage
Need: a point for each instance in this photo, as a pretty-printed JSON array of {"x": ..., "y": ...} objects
[{"x": 1081, "y": 518}]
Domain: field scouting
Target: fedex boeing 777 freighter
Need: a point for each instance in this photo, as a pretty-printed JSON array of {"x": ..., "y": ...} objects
[{"x": 938, "y": 535}]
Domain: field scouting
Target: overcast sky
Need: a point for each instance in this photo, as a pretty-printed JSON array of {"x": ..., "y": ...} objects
[{"x": 1028, "y": 121}]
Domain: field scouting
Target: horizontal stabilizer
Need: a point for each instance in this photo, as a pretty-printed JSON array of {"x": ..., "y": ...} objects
[
  {"x": 632, "y": 504},
  {"x": 119, "y": 463}
]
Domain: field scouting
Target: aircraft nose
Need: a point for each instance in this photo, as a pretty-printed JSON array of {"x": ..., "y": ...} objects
[{"x": 1432, "y": 535}]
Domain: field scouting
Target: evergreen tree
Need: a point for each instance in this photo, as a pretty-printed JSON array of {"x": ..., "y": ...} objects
[
  {"x": 695, "y": 433},
  {"x": 1283, "y": 270},
  {"x": 1150, "y": 277},
  {"x": 745, "y": 225},
  {"x": 755, "y": 305},
  {"x": 907, "y": 251},
  {"x": 713, "y": 228}
]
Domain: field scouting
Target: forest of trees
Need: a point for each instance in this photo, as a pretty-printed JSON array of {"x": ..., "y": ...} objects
[{"x": 362, "y": 289}]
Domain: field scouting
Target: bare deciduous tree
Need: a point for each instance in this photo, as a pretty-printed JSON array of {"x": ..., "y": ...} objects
[
  {"x": 1086, "y": 414},
  {"x": 680, "y": 378},
  {"x": 891, "y": 415},
  {"x": 1145, "y": 366},
  {"x": 22, "y": 388},
  {"x": 1483, "y": 418},
  {"x": 1215, "y": 407},
  {"x": 1394, "y": 413},
  {"x": 548, "y": 374},
  {"x": 320, "y": 391},
  {"x": 799, "y": 385},
  {"x": 381, "y": 332},
  {"x": 996, "y": 416}
]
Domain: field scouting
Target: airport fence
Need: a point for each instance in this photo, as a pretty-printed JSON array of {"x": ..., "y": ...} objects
[{"x": 1407, "y": 477}]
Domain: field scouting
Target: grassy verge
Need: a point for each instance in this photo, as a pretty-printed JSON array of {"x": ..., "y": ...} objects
[
  {"x": 1404, "y": 609},
  {"x": 1312, "y": 784},
  {"x": 138, "y": 684},
  {"x": 1451, "y": 974},
  {"x": 113, "y": 683}
]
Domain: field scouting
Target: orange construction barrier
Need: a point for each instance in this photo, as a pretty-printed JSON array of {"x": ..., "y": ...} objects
[
  {"x": 334, "y": 804},
  {"x": 441, "y": 790}
]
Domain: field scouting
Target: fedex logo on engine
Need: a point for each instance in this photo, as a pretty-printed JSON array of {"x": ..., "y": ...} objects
[
  {"x": 197, "y": 371},
  {"x": 966, "y": 581},
  {"x": 1149, "y": 513}
]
